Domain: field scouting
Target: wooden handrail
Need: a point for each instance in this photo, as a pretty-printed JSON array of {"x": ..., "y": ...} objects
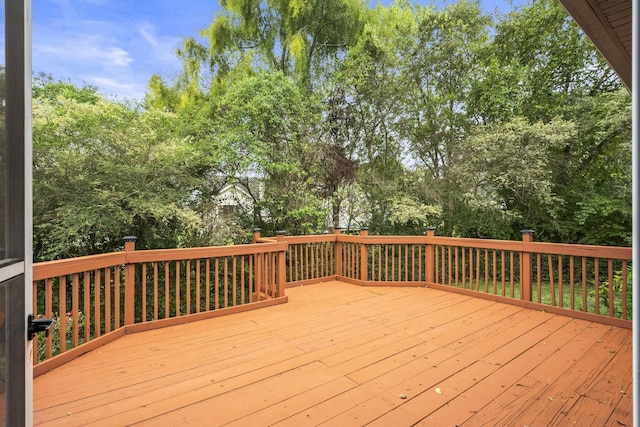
[
  {"x": 92, "y": 296},
  {"x": 96, "y": 295},
  {"x": 521, "y": 272}
]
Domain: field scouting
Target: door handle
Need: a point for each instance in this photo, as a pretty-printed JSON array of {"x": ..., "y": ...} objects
[{"x": 38, "y": 325}]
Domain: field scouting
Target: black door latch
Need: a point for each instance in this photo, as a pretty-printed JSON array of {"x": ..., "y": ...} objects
[{"x": 38, "y": 325}]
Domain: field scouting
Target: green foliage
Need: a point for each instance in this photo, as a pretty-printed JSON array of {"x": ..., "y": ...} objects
[
  {"x": 292, "y": 36},
  {"x": 54, "y": 333},
  {"x": 46, "y": 88},
  {"x": 617, "y": 292},
  {"x": 268, "y": 126},
  {"x": 103, "y": 170}
]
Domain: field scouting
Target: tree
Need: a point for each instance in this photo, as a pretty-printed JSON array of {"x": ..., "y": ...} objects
[
  {"x": 538, "y": 65},
  {"x": 438, "y": 72},
  {"x": 291, "y": 36},
  {"x": 103, "y": 170},
  {"x": 508, "y": 179},
  {"x": 268, "y": 128},
  {"x": 594, "y": 176}
]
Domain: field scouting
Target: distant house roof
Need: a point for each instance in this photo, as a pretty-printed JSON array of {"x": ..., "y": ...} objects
[{"x": 608, "y": 23}]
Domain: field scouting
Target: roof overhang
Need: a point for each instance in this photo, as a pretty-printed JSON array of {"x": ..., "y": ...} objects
[{"x": 608, "y": 23}]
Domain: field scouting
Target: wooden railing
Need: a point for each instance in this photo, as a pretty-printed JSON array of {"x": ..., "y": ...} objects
[
  {"x": 591, "y": 282},
  {"x": 98, "y": 298}
]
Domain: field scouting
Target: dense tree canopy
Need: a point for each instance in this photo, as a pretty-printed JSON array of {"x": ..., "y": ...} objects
[{"x": 394, "y": 117}]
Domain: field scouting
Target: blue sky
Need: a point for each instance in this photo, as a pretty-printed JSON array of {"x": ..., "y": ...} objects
[{"x": 117, "y": 45}]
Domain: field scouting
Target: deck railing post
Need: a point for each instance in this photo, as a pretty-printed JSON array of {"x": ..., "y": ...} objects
[
  {"x": 364, "y": 256},
  {"x": 281, "y": 276},
  {"x": 525, "y": 268},
  {"x": 129, "y": 282},
  {"x": 337, "y": 256},
  {"x": 429, "y": 273},
  {"x": 256, "y": 234}
]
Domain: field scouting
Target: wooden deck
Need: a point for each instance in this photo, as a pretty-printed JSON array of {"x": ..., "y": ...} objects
[{"x": 343, "y": 355}]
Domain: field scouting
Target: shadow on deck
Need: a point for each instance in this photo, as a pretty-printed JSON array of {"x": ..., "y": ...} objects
[{"x": 344, "y": 355}]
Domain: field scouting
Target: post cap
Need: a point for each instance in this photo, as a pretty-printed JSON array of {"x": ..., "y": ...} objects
[
  {"x": 431, "y": 228},
  {"x": 129, "y": 238},
  {"x": 364, "y": 228},
  {"x": 281, "y": 232},
  {"x": 256, "y": 230},
  {"x": 526, "y": 231},
  {"x": 337, "y": 227}
]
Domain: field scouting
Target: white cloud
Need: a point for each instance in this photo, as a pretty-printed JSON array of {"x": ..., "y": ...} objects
[
  {"x": 117, "y": 86},
  {"x": 162, "y": 47},
  {"x": 84, "y": 48},
  {"x": 148, "y": 37}
]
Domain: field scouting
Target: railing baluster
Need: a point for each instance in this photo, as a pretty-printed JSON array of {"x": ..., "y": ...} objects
[
  {"x": 117, "y": 291},
  {"x": 413, "y": 263},
  {"x": 97, "y": 290},
  {"x": 624, "y": 290},
  {"x": 611, "y": 302},
  {"x": 75, "y": 309},
  {"x": 226, "y": 281},
  {"x": 406, "y": 263},
  {"x": 477, "y": 269},
  {"x": 450, "y": 272},
  {"x": 486, "y": 271},
  {"x": 502, "y": 266},
  {"x": 512, "y": 274},
  {"x": 560, "y": 282},
  {"x": 597, "y": 284},
  {"x": 436, "y": 264},
  {"x": 380, "y": 262},
  {"x": 464, "y": 268},
  {"x": 302, "y": 268},
  {"x": 87, "y": 306},
  {"x": 207, "y": 271},
  {"x": 571, "y": 283},
  {"x": 177, "y": 288},
  {"x": 307, "y": 263},
  {"x": 539, "y": 274},
  {"x": 457, "y": 269},
  {"x": 234, "y": 281},
  {"x": 551, "y": 286},
  {"x": 216, "y": 284},
  {"x": 62, "y": 312},
  {"x": 241, "y": 284},
  {"x": 107, "y": 300},
  {"x": 495, "y": 272},
  {"x": 155, "y": 291},
  {"x": 470, "y": 268},
  {"x": 167, "y": 294},
  {"x": 188, "y": 286},
  {"x": 584, "y": 284}
]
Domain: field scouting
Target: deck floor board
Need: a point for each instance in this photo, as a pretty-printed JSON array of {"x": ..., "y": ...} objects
[{"x": 338, "y": 354}]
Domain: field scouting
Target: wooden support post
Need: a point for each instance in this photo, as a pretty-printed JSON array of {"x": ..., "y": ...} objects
[
  {"x": 129, "y": 282},
  {"x": 429, "y": 259},
  {"x": 337, "y": 256},
  {"x": 281, "y": 276},
  {"x": 364, "y": 256},
  {"x": 256, "y": 234},
  {"x": 525, "y": 268}
]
